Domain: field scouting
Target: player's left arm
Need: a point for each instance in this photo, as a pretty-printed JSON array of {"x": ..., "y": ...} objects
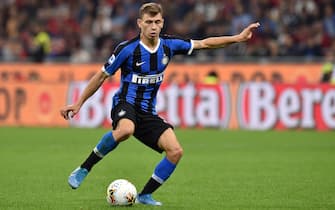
[{"x": 222, "y": 41}]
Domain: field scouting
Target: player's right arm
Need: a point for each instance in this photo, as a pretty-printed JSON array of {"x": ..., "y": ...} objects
[
  {"x": 92, "y": 86},
  {"x": 111, "y": 66}
]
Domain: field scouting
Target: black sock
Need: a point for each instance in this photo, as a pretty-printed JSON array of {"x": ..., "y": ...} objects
[
  {"x": 91, "y": 161},
  {"x": 151, "y": 186}
]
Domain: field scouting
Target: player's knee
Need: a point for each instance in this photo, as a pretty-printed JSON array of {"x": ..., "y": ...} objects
[
  {"x": 179, "y": 153},
  {"x": 127, "y": 132},
  {"x": 175, "y": 154},
  {"x": 124, "y": 133}
]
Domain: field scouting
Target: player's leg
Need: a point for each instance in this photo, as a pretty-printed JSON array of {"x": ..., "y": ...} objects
[
  {"x": 125, "y": 128},
  {"x": 169, "y": 143},
  {"x": 107, "y": 143},
  {"x": 124, "y": 118}
]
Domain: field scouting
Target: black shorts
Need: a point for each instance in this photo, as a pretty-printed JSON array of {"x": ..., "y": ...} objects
[{"x": 148, "y": 127}]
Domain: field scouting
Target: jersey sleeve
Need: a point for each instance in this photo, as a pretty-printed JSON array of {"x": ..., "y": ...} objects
[
  {"x": 115, "y": 60},
  {"x": 180, "y": 46}
]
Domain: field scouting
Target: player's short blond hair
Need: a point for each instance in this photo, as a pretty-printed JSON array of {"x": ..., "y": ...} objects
[{"x": 150, "y": 8}]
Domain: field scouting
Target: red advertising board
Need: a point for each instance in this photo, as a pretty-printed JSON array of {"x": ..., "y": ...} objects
[
  {"x": 27, "y": 104},
  {"x": 294, "y": 100},
  {"x": 254, "y": 105},
  {"x": 263, "y": 106}
]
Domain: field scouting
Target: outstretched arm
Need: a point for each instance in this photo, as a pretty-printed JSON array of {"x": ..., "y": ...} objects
[
  {"x": 92, "y": 86},
  {"x": 221, "y": 41}
]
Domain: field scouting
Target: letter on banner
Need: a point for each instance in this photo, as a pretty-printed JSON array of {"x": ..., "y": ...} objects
[
  {"x": 289, "y": 104},
  {"x": 188, "y": 93},
  {"x": 208, "y": 109},
  {"x": 309, "y": 98},
  {"x": 262, "y": 110},
  {"x": 328, "y": 109}
]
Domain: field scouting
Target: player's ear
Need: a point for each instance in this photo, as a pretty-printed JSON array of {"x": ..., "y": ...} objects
[
  {"x": 139, "y": 21},
  {"x": 163, "y": 23}
]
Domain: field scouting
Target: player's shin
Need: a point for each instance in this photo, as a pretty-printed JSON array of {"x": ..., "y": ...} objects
[
  {"x": 106, "y": 145},
  {"x": 162, "y": 172}
]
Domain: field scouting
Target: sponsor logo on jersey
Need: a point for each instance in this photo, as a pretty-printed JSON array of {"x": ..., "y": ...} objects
[
  {"x": 139, "y": 63},
  {"x": 147, "y": 79}
]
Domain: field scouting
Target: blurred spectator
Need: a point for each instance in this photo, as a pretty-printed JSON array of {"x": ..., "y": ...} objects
[
  {"x": 41, "y": 45},
  {"x": 258, "y": 76},
  {"x": 4, "y": 76},
  {"x": 240, "y": 20},
  {"x": 328, "y": 69},
  {"x": 212, "y": 78},
  {"x": 276, "y": 78},
  {"x": 79, "y": 55},
  {"x": 11, "y": 50},
  {"x": 329, "y": 21},
  {"x": 87, "y": 30},
  {"x": 172, "y": 78},
  {"x": 237, "y": 77},
  {"x": 33, "y": 76}
]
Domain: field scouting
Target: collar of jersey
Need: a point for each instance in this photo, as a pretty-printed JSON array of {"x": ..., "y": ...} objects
[{"x": 148, "y": 49}]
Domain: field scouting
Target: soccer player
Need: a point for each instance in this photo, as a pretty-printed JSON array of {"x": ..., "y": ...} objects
[{"x": 142, "y": 61}]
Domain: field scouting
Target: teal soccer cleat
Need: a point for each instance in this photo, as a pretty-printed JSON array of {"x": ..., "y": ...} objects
[
  {"x": 77, "y": 177},
  {"x": 148, "y": 200}
]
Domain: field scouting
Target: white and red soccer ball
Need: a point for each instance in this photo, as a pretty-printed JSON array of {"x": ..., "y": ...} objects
[{"x": 121, "y": 192}]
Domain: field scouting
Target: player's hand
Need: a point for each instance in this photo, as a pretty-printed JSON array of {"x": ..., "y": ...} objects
[
  {"x": 69, "y": 111},
  {"x": 247, "y": 32}
]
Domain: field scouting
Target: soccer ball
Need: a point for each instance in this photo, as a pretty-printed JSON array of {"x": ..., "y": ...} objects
[{"x": 121, "y": 192}]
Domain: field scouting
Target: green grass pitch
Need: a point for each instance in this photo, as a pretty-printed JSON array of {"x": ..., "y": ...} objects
[{"x": 220, "y": 170}]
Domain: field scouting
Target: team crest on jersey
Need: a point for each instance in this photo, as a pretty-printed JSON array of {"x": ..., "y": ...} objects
[{"x": 165, "y": 59}]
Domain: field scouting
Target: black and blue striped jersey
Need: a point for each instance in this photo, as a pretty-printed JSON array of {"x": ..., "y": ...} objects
[{"x": 142, "y": 69}]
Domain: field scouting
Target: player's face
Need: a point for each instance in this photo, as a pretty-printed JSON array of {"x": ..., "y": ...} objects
[{"x": 151, "y": 26}]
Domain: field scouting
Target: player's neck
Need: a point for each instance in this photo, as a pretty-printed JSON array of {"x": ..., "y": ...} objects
[{"x": 150, "y": 43}]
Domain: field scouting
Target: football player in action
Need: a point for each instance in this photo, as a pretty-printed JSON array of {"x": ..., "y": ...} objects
[{"x": 143, "y": 61}]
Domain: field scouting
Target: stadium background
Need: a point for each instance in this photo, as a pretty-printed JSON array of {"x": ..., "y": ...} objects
[
  {"x": 279, "y": 82},
  {"x": 48, "y": 46}
]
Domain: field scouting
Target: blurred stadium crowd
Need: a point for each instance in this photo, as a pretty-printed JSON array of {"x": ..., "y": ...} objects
[{"x": 81, "y": 31}]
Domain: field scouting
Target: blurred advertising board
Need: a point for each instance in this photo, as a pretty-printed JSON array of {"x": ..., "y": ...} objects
[
  {"x": 253, "y": 105},
  {"x": 263, "y": 106},
  {"x": 293, "y": 100},
  {"x": 32, "y": 104}
]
